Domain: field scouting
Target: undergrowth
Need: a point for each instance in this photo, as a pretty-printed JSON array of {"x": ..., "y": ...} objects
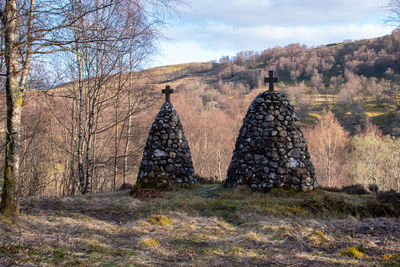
[{"x": 241, "y": 205}]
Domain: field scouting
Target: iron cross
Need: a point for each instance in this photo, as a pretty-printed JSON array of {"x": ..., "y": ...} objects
[
  {"x": 271, "y": 80},
  {"x": 167, "y": 91}
]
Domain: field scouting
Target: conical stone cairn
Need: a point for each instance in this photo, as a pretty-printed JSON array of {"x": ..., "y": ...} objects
[
  {"x": 271, "y": 150},
  {"x": 166, "y": 162}
]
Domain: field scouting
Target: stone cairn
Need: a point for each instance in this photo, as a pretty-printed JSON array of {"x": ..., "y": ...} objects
[
  {"x": 271, "y": 150},
  {"x": 166, "y": 162}
]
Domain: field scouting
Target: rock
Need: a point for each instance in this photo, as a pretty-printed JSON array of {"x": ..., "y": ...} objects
[
  {"x": 169, "y": 168},
  {"x": 270, "y": 150},
  {"x": 166, "y": 158},
  {"x": 269, "y": 118},
  {"x": 292, "y": 163},
  {"x": 159, "y": 153}
]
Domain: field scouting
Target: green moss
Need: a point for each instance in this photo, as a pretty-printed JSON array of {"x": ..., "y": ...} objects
[
  {"x": 353, "y": 252},
  {"x": 213, "y": 251},
  {"x": 236, "y": 251},
  {"x": 19, "y": 101},
  {"x": 8, "y": 206},
  {"x": 237, "y": 207},
  {"x": 12, "y": 249},
  {"x": 317, "y": 238},
  {"x": 159, "y": 220},
  {"x": 391, "y": 260},
  {"x": 277, "y": 237},
  {"x": 149, "y": 242},
  {"x": 59, "y": 255}
]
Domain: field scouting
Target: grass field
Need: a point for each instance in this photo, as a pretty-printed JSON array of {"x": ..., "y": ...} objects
[{"x": 204, "y": 226}]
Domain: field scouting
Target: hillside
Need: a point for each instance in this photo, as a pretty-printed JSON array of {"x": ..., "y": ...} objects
[
  {"x": 205, "y": 226},
  {"x": 355, "y": 79}
]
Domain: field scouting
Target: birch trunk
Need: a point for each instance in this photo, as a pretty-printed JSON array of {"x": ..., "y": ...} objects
[{"x": 14, "y": 96}]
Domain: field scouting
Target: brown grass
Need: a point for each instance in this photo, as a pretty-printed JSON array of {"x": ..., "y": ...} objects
[{"x": 236, "y": 229}]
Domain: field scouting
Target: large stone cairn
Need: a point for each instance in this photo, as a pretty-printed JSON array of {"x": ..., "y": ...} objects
[
  {"x": 166, "y": 161},
  {"x": 271, "y": 150}
]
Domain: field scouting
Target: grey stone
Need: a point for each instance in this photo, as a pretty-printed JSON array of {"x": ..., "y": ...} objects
[
  {"x": 270, "y": 150},
  {"x": 170, "y": 168},
  {"x": 168, "y": 160},
  {"x": 269, "y": 118},
  {"x": 159, "y": 153}
]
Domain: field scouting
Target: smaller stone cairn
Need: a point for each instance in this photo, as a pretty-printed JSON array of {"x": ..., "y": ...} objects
[
  {"x": 166, "y": 162},
  {"x": 271, "y": 150}
]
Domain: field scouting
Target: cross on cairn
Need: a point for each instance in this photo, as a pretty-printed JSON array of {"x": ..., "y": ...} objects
[
  {"x": 271, "y": 80},
  {"x": 167, "y": 91}
]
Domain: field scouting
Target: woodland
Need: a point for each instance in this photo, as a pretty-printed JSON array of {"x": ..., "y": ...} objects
[{"x": 91, "y": 139}]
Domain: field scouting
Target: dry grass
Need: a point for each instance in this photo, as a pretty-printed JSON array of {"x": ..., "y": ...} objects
[{"x": 187, "y": 228}]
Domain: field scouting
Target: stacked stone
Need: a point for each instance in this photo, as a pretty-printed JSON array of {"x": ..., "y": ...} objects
[
  {"x": 166, "y": 162},
  {"x": 271, "y": 150}
]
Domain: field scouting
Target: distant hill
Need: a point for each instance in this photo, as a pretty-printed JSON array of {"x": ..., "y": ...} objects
[{"x": 355, "y": 79}]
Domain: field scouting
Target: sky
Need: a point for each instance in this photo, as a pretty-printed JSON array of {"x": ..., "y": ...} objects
[{"x": 205, "y": 30}]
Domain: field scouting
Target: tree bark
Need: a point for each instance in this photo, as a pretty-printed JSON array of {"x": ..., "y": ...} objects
[{"x": 14, "y": 108}]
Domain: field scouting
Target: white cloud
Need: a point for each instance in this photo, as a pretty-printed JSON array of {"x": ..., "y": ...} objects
[
  {"x": 229, "y": 37},
  {"x": 210, "y": 29}
]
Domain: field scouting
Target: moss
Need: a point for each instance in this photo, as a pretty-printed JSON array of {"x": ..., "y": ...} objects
[
  {"x": 353, "y": 252},
  {"x": 391, "y": 260},
  {"x": 152, "y": 183},
  {"x": 285, "y": 230},
  {"x": 8, "y": 206},
  {"x": 19, "y": 101},
  {"x": 239, "y": 208},
  {"x": 12, "y": 249},
  {"x": 317, "y": 238},
  {"x": 213, "y": 251},
  {"x": 6, "y": 220},
  {"x": 149, "y": 242},
  {"x": 236, "y": 251},
  {"x": 59, "y": 255},
  {"x": 277, "y": 237},
  {"x": 159, "y": 220},
  {"x": 252, "y": 236}
]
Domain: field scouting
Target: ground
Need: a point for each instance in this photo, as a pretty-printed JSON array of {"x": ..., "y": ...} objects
[{"x": 203, "y": 226}]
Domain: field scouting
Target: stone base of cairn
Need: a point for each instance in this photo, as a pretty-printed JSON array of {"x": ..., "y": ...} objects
[
  {"x": 166, "y": 162},
  {"x": 271, "y": 150}
]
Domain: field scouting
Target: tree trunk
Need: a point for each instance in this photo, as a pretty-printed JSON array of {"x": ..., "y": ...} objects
[{"x": 14, "y": 108}]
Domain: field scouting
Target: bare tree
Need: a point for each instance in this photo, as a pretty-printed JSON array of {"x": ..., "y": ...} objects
[
  {"x": 43, "y": 27},
  {"x": 328, "y": 143}
]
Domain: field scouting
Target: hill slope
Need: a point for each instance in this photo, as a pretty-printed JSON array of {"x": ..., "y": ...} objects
[{"x": 357, "y": 80}]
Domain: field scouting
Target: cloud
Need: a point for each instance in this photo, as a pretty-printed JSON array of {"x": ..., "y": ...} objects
[
  {"x": 209, "y": 29},
  {"x": 229, "y": 37}
]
